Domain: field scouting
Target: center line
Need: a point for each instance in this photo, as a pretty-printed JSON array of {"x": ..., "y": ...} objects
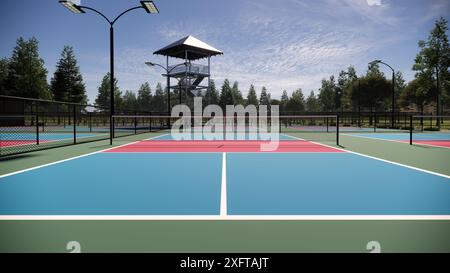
[{"x": 223, "y": 190}]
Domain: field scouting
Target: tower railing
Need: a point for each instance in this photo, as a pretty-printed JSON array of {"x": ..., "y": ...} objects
[{"x": 191, "y": 68}]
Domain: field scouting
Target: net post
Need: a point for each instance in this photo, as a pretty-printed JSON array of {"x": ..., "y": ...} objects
[
  {"x": 337, "y": 130},
  {"x": 410, "y": 129}
]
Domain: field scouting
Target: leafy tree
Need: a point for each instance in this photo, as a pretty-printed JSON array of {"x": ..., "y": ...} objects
[
  {"x": 297, "y": 102},
  {"x": 103, "y": 95},
  {"x": 252, "y": 98},
  {"x": 434, "y": 59},
  {"x": 327, "y": 95},
  {"x": 27, "y": 75},
  {"x": 144, "y": 98},
  {"x": 312, "y": 103},
  {"x": 374, "y": 91},
  {"x": 417, "y": 92},
  {"x": 67, "y": 82},
  {"x": 226, "y": 95},
  {"x": 399, "y": 86},
  {"x": 4, "y": 72}
]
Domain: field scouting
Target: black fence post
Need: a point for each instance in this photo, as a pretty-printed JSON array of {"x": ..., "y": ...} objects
[
  {"x": 37, "y": 127},
  {"x": 410, "y": 129},
  {"x": 90, "y": 122},
  {"x": 337, "y": 130},
  {"x": 375, "y": 122},
  {"x": 74, "y": 124}
]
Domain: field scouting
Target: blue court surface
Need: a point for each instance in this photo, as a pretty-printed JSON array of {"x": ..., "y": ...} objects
[{"x": 201, "y": 183}]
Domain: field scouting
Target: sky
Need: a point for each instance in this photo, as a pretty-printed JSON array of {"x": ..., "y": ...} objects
[{"x": 282, "y": 44}]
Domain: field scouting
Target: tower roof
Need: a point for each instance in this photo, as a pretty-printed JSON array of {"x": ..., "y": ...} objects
[{"x": 196, "y": 49}]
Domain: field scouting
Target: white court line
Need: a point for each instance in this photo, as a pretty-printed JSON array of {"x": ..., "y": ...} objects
[
  {"x": 67, "y": 159},
  {"x": 225, "y": 218},
  {"x": 383, "y": 160},
  {"x": 223, "y": 189},
  {"x": 406, "y": 141}
]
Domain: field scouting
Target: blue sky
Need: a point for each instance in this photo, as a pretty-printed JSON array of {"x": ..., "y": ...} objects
[{"x": 282, "y": 44}]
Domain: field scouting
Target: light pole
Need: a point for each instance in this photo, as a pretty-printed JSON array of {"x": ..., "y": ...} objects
[
  {"x": 151, "y": 64},
  {"x": 148, "y": 6},
  {"x": 393, "y": 88}
]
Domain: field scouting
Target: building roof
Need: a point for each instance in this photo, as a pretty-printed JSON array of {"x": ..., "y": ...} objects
[{"x": 196, "y": 49}]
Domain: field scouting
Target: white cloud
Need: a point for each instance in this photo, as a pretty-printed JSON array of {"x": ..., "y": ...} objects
[{"x": 374, "y": 2}]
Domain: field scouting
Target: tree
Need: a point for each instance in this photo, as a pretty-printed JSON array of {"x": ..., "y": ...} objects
[
  {"x": 434, "y": 59},
  {"x": 226, "y": 95},
  {"x": 312, "y": 103},
  {"x": 144, "y": 98},
  {"x": 4, "y": 72},
  {"x": 399, "y": 86},
  {"x": 67, "y": 82},
  {"x": 103, "y": 95},
  {"x": 417, "y": 92},
  {"x": 212, "y": 96},
  {"x": 159, "y": 102},
  {"x": 284, "y": 101},
  {"x": 27, "y": 75},
  {"x": 375, "y": 92},
  {"x": 237, "y": 95},
  {"x": 252, "y": 98},
  {"x": 264, "y": 98},
  {"x": 129, "y": 101},
  {"x": 297, "y": 102},
  {"x": 327, "y": 95}
]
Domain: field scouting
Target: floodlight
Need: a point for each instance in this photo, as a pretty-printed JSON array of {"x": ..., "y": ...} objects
[
  {"x": 71, "y": 6},
  {"x": 149, "y": 6}
]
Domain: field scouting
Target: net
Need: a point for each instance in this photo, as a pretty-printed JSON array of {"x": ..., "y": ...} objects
[
  {"x": 430, "y": 130},
  {"x": 311, "y": 128}
]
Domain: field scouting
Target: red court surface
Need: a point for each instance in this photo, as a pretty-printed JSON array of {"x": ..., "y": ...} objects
[
  {"x": 11, "y": 143},
  {"x": 439, "y": 143},
  {"x": 234, "y": 146}
]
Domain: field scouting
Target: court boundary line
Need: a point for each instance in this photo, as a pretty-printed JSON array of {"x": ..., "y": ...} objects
[
  {"x": 223, "y": 189},
  {"x": 398, "y": 141},
  {"x": 220, "y": 217},
  {"x": 67, "y": 159},
  {"x": 386, "y": 161}
]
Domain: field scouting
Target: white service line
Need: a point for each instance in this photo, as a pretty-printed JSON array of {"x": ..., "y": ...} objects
[
  {"x": 68, "y": 159},
  {"x": 223, "y": 189},
  {"x": 220, "y": 217},
  {"x": 384, "y": 160}
]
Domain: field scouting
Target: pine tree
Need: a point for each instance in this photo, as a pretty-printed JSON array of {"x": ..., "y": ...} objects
[
  {"x": 103, "y": 96},
  {"x": 296, "y": 102},
  {"x": 4, "y": 72},
  {"x": 237, "y": 95},
  {"x": 312, "y": 104},
  {"x": 226, "y": 95},
  {"x": 67, "y": 82},
  {"x": 252, "y": 98},
  {"x": 144, "y": 99},
  {"x": 212, "y": 96},
  {"x": 159, "y": 99},
  {"x": 327, "y": 95},
  {"x": 130, "y": 102},
  {"x": 284, "y": 101},
  {"x": 27, "y": 75},
  {"x": 264, "y": 98}
]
